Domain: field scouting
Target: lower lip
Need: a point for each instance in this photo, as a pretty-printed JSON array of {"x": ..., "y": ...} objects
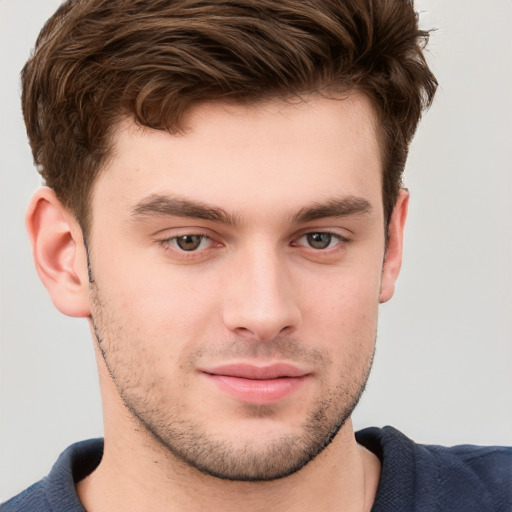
[{"x": 259, "y": 392}]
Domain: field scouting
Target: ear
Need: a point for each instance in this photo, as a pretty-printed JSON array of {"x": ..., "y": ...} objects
[
  {"x": 59, "y": 253},
  {"x": 393, "y": 256}
]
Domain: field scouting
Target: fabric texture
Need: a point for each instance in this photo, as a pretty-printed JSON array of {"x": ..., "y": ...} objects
[
  {"x": 427, "y": 478},
  {"x": 414, "y": 478}
]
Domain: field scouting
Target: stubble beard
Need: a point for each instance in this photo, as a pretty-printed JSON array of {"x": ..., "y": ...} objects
[{"x": 188, "y": 441}]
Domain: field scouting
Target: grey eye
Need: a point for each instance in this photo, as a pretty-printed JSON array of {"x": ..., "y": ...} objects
[
  {"x": 189, "y": 242},
  {"x": 319, "y": 240}
]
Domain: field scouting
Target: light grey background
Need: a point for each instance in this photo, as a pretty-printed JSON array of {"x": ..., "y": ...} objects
[{"x": 443, "y": 372}]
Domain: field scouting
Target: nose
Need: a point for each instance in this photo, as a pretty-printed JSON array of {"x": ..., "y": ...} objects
[{"x": 260, "y": 300}]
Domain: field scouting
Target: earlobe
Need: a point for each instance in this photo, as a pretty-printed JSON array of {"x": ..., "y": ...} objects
[
  {"x": 58, "y": 252},
  {"x": 393, "y": 259}
]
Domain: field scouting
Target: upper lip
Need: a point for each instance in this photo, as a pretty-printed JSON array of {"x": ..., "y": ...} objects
[{"x": 249, "y": 371}]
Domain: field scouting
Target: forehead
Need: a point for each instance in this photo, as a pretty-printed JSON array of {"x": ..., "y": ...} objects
[{"x": 261, "y": 156}]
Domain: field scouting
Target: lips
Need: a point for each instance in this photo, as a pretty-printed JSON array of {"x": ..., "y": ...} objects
[
  {"x": 257, "y": 384},
  {"x": 246, "y": 371}
]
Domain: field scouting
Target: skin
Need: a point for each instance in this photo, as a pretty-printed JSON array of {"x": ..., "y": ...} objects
[{"x": 257, "y": 287}]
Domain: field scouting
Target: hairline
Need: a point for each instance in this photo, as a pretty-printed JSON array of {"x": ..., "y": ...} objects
[{"x": 181, "y": 128}]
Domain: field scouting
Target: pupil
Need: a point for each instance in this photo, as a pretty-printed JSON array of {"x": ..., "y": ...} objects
[
  {"x": 319, "y": 240},
  {"x": 189, "y": 242}
]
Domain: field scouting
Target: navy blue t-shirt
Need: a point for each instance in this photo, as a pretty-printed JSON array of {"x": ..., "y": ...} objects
[{"x": 414, "y": 477}]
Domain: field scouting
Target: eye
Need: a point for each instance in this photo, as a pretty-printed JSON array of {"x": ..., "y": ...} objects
[
  {"x": 190, "y": 243},
  {"x": 320, "y": 240}
]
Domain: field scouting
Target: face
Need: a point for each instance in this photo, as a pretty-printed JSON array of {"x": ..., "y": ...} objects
[{"x": 236, "y": 274}]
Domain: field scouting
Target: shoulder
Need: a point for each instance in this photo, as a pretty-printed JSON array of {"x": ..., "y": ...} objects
[
  {"x": 56, "y": 492},
  {"x": 32, "y": 498},
  {"x": 438, "y": 478},
  {"x": 485, "y": 467}
]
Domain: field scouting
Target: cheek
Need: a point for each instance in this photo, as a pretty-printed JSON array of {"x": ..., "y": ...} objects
[
  {"x": 158, "y": 303},
  {"x": 345, "y": 297},
  {"x": 343, "y": 315}
]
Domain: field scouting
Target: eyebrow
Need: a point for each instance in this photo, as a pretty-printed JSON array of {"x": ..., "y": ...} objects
[
  {"x": 337, "y": 207},
  {"x": 163, "y": 205},
  {"x": 177, "y": 207}
]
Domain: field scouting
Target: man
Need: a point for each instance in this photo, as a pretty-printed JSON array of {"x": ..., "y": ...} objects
[{"x": 224, "y": 204}]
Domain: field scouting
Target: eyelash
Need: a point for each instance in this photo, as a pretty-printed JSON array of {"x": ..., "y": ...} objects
[
  {"x": 170, "y": 244},
  {"x": 339, "y": 240}
]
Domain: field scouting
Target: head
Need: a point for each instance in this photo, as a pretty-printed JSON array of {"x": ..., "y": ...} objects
[{"x": 234, "y": 172}]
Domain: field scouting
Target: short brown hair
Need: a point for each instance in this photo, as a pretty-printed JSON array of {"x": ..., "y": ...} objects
[{"x": 96, "y": 61}]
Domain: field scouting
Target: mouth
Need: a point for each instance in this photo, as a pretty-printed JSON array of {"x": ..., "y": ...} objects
[{"x": 257, "y": 385}]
